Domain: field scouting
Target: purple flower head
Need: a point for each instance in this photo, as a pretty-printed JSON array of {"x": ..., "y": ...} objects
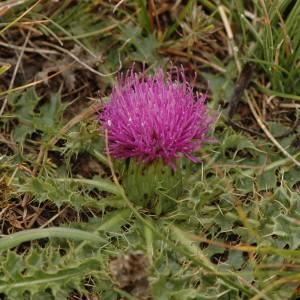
[{"x": 155, "y": 118}]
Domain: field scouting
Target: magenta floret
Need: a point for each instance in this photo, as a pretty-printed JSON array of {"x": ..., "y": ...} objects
[{"x": 154, "y": 117}]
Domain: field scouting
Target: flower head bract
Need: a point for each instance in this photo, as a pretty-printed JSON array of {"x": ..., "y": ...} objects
[{"x": 155, "y": 118}]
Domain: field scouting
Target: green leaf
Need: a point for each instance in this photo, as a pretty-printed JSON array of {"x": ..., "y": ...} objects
[
  {"x": 267, "y": 180},
  {"x": 146, "y": 49},
  {"x": 114, "y": 220},
  {"x": 238, "y": 142},
  {"x": 62, "y": 190},
  {"x": 50, "y": 113},
  {"x": 54, "y": 282},
  {"x": 235, "y": 259},
  {"x": 15, "y": 239},
  {"x": 221, "y": 86},
  {"x": 289, "y": 229},
  {"x": 101, "y": 184}
]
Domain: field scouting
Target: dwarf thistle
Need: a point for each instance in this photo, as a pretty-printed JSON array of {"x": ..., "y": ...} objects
[{"x": 154, "y": 121}]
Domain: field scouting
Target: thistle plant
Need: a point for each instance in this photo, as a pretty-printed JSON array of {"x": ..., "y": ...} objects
[{"x": 152, "y": 123}]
